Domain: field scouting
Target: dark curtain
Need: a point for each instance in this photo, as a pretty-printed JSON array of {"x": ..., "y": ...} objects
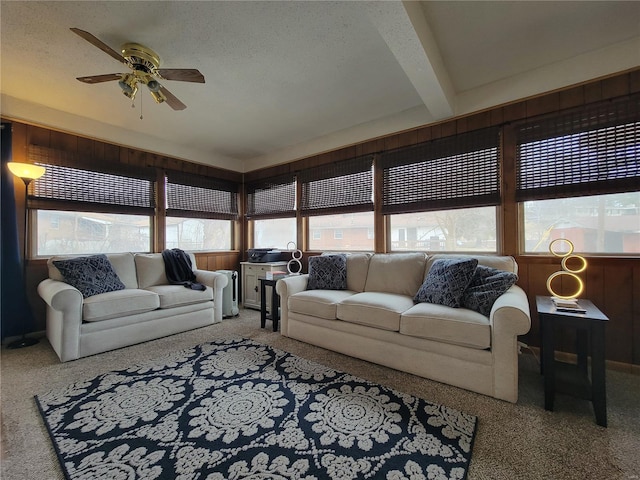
[{"x": 17, "y": 317}]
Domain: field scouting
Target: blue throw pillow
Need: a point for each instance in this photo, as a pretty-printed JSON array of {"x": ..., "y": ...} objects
[
  {"x": 327, "y": 272},
  {"x": 446, "y": 281},
  {"x": 486, "y": 286},
  {"x": 91, "y": 275}
]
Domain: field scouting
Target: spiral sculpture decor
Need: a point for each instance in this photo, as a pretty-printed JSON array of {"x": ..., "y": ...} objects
[
  {"x": 566, "y": 270},
  {"x": 294, "y": 267}
]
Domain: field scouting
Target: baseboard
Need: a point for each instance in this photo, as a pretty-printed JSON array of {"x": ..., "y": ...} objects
[
  {"x": 610, "y": 364},
  {"x": 39, "y": 334}
]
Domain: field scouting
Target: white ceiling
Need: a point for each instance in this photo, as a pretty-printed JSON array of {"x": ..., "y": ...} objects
[{"x": 290, "y": 79}]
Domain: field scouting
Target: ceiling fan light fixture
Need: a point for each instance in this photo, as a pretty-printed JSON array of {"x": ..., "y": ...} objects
[
  {"x": 153, "y": 85},
  {"x": 158, "y": 96},
  {"x": 129, "y": 85}
]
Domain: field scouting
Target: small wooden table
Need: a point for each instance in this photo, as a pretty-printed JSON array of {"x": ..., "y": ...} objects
[
  {"x": 274, "y": 313},
  {"x": 573, "y": 379}
]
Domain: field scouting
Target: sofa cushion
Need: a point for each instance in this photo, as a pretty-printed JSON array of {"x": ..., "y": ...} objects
[
  {"x": 452, "y": 325},
  {"x": 486, "y": 286},
  {"x": 177, "y": 295},
  {"x": 446, "y": 281},
  {"x": 327, "y": 272},
  {"x": 150, "y": 270},
  {"x": 400, "y": 273},
  {"x": 357, "y": 268},
  {"x": 318, "y": 303},
  {"x": 91, "y": 275},
  {"x": 375, "y": 309},
  {"x": 120, "y": 303}
]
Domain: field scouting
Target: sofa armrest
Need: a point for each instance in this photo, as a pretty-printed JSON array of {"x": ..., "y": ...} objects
[
  {"x": 64, "y": 317},
  {"x": 285, "y": 287},
  {"x": 216, "y": 281},
  {"x": 510, "y": 317}
]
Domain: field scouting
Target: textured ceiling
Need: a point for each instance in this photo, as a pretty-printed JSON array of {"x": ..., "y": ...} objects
[{"x": 290, "y": 79}]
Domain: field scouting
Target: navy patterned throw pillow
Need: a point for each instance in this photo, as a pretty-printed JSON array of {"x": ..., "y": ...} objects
[
  {"x": 446, "y": 281},
  {"x": 91, "y": 275},
  {"x": 486, "y": 286},
  {"x": 327, "y": 272}
]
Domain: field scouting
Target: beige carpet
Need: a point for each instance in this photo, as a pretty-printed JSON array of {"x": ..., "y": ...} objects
[{"x": 520, "y": 441}]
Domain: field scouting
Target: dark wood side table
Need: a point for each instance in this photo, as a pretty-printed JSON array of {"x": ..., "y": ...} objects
[
  {"x": 274, "y": 313},
  {"x": 569, "y": 378}
]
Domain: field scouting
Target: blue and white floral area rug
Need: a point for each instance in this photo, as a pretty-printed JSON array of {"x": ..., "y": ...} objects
[{"x": 236, "y": 409}]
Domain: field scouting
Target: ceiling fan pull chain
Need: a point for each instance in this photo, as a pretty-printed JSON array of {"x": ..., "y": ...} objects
[{"x": 141, "y": 107}]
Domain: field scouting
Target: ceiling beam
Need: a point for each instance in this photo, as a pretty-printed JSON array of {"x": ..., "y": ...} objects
[{"x": 406, "y": 32}]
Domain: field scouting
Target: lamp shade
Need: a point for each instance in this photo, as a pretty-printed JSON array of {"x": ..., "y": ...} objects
[{"x": 26, "y": 170}]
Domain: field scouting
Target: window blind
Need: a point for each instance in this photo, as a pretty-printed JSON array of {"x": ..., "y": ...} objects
[
  {"x": 452, "y": 172},
  {"x": 272, "y": 197},
  {"x": 194, "y": 196},
  {"x": 594, "y": 150},
  {"x": 66, "y": 187},
  {"x": 345, "y": 186}
]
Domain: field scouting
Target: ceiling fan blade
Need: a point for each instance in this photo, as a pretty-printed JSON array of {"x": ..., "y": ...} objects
[
  {"x": 100, "y": 44},
  {"x": 101, "y": 78},
  {"x": 181, "y": 74},
  {"x": 171, "y": 100}
]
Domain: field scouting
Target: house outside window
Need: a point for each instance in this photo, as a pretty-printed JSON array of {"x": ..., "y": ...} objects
[{"x": 348, "y": 232}]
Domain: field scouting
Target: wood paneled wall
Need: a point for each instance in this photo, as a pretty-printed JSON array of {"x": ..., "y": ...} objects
[
  {"x": 102, "y": 153},
  {"x": 613, "y": 284}
]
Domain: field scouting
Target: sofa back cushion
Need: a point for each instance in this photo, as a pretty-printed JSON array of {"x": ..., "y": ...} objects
[
  {"x": 400, "y": 273},
  {"x": 151, "y": 270},
  {"x": 122, "y": 263},
  {"x": 499, "y": 262},
  {"x": 357, "y": 268}
]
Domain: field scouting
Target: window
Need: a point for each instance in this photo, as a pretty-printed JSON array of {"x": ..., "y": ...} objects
[
  {"x": 90, "y": 232},
  {"x": 605, "y": 224},
  {"x": 451, "y": 172},
  {"x": 442, "y": 195},
  {"x": 349, "y": 231},
  {"x": 274, "y": 233},
  {"x": 271, "y": 205},
  {"x": 198, "y": 234},
  {"x": 578, "y": 176},
  {"x": 460, "y": 230},
  {"x": 338, "y": 200},
  {"x": 345, "y": 186},
  {"x": 86, "y": 210},
  {"x": 200, "y": 212}
]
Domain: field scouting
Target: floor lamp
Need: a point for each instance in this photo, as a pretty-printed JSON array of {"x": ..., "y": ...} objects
[{"x": 27, "y": 172}]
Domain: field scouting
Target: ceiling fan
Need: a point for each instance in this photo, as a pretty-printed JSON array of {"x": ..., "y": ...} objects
[{"x": 145, "y": 69}]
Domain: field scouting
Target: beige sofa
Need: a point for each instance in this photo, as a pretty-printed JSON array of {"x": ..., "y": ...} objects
[
  {"x": 147, "y": 308},
  {"x": 375, "y": 319}
]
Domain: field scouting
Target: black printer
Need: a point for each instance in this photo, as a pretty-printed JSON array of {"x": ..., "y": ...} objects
[{"x": 264, "y": 255}]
